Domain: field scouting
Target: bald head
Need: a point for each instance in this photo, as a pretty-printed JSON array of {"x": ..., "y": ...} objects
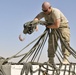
[{"x": 46, "y": 5}]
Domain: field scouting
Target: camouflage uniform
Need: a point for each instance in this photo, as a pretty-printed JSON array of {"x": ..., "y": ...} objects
[{"x": 64, "y": 29}]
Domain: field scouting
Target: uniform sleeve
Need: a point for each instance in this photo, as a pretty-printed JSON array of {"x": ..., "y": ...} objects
[
  {"x": 40, "y": 16},
  {"x": 56, "y": 15}
]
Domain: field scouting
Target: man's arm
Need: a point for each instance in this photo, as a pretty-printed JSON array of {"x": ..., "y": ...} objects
[
  {"x": 36, "y": 19},
  {"x": 55, "y": 25}
]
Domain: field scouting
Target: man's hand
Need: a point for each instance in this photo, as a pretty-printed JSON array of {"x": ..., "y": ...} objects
[
  {"x": 36, "y": 28},
  {"x": 20, "y": 38}
]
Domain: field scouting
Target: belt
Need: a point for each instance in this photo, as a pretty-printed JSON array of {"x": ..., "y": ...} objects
[{"x": 65, "y": 27}]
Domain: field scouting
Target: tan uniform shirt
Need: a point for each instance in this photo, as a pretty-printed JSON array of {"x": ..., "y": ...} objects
[{"x": 55, "y": 14}]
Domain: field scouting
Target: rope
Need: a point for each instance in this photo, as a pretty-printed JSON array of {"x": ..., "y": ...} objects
[
  {"x": 33, "y": 47},
  {"x": 2, "y": 61},
  {"x": 27, "y": 67},
  {"x": 16, "y": 55},
  {"x": 73, "y": 52},
  {"x": 42, "y": 69},
  {"x": 40, "y": 47},
  {"x": 37, "y": 50}
]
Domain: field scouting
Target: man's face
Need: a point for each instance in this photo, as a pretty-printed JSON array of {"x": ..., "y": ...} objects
[{"x": 46, "y": 10}]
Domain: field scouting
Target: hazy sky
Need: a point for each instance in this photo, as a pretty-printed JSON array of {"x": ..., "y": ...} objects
[{"x": 14, "y": 13}]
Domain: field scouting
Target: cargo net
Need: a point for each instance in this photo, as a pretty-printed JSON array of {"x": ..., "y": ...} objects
[
  {"x": 48, "y": 69},
  {"x": 33, "y": 55},
  {"x": 36, "y": 68}
]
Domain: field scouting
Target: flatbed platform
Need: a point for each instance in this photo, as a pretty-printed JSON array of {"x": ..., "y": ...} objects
[{"x": 41, "y": 69}]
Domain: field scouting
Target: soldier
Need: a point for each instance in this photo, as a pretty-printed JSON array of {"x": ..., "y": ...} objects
[{"x": 55, "y": 17}]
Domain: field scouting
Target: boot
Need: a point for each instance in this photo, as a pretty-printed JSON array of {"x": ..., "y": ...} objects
[
  {"x": 65, "y": 60},
  {"x": 51, "y": 60},
  {"x": 52, "y": 63}
]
